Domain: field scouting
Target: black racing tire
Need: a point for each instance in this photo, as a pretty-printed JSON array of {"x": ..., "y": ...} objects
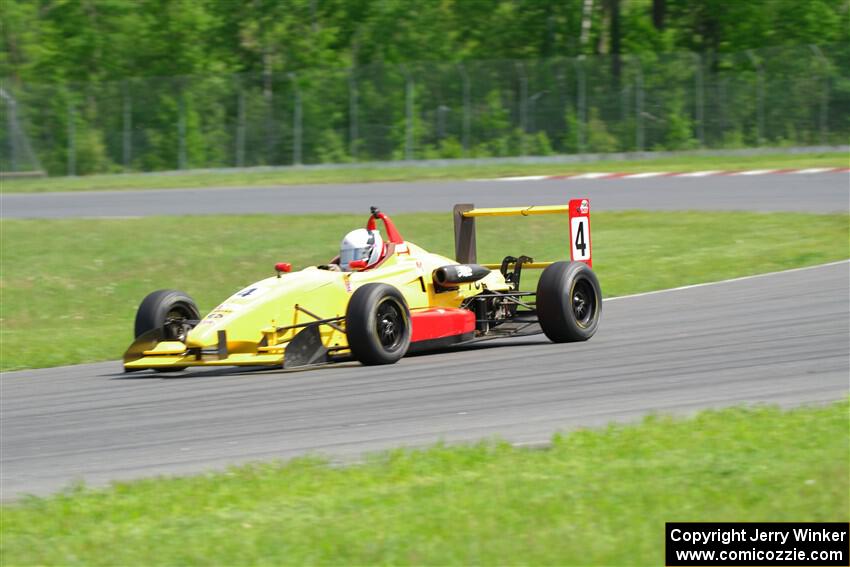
[
  {"x": 377, "y": 324},
  {"x": 162, "y": 305},
  {"x": 569, "y": 302}
]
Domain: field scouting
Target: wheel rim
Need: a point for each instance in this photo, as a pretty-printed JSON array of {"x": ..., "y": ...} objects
[
  {"x": 389, "y": 324},
  {"x": 176, "y": 328},
  {"x": 583, "y": 302}
]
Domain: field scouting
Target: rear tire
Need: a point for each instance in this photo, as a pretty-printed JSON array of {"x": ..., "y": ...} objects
[
  {"x": 569, "y": 302},
  {"x": 166, "y": 305},
  {"x": 377, "y": 324}
]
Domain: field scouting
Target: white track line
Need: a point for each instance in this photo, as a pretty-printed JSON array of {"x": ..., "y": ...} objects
[
  {"x": 646, "y": 175},
  {"x": 699, "y": 173},
  {"x": 742, "y": 278},
  {"x": 650, "y": 174},
  {"x": 520, "y": 178},
  {"x": 590, "y": 175},
  {"x": 755, "y": 172}
]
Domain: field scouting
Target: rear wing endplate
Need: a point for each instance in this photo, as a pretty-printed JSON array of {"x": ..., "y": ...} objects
[{"x": 577, "y": 209}]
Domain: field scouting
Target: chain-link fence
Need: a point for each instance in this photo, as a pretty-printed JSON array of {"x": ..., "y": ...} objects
[{"x": 775, "y": 96}]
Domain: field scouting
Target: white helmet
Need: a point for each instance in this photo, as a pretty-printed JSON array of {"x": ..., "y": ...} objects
[{"x": 360, "y": 244}]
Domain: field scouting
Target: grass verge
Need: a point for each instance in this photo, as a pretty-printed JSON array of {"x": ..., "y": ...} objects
[
  {"x": 70, "y": 288},
  {"x": 296, "y": 176},
  {"x": 595, "y": 498}
]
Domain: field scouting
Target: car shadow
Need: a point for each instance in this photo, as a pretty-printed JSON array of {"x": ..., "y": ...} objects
[
  {"x": 484, "y": 344},
  {"x": 193, "y": 373}
]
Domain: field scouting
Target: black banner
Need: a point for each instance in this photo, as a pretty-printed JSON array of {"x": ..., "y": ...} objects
[{"x": 691, "y": 544}]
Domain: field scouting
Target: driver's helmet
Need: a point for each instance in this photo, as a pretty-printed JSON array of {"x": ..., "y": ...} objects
[{"x": 360, "y": 244}]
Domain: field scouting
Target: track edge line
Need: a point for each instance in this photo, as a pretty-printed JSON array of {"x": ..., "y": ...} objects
[{"x": 742, "y": 278}]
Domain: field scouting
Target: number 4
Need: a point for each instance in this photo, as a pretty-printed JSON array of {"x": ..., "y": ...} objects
[
  {"x": 580, "y": 234},
  {"x": 581, "y": 245}
]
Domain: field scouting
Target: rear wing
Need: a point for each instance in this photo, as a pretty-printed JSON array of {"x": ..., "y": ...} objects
[{"x": 579, "y": 215}]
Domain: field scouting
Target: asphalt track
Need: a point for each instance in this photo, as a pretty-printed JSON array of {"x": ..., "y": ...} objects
[
  {"x": 779, "y": 338},
  {"x": 817, "y": 193}
]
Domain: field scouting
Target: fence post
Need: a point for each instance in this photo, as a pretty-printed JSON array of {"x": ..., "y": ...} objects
[
  {"x": 296, "y": 121},
  {"x": 523, "y": 105},
  {"x": 240, "y": 124},
  {"x": 408, "y": 90},
  {"x": 581, "y": 103},
  {"x": 11, "y": 119},
  {"x": 532, "y": 110},
  {"x": 127, "y": 136},
  {"x": 759, "y": 96},
  {"x": 181, "y": 127},
  {"x": 624, "y": 98},
  {"x": 561, "y": 82},
  {"x": 721, "y": 96},
  {"x": 268, "y": 95},
  {"x": 352, "y": 114},
  {"x": 699, "y": 99},
  {"x": 824, "y": 100},
  {"x": 72, "y": 142},
  {"x": 466, "y": 107},
  {"x": 562, "y": 97},
  {"x": 639, "y": 133},
  {"x": 441, "y": 121}
]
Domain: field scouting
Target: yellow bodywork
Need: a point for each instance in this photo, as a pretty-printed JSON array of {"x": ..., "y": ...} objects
[{"x": 254, "y": 325}]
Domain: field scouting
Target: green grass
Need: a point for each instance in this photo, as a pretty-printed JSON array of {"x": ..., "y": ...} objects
[
  {"x": 370, "y": 174},
  {"x": 597, "y": 497},
  {"x": 70, "y": 288}
]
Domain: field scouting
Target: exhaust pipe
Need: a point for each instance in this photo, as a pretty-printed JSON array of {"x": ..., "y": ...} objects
[{"x": 455, "y": 274}]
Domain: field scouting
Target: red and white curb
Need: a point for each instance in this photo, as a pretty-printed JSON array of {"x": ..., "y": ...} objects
[{"x": 650, "y": 174}]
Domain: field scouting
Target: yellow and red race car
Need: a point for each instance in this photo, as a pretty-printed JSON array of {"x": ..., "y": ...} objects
[{"x": 404, "y": 299}]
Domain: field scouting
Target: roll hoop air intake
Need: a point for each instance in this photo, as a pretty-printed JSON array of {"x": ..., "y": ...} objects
[{"x": 454, "y": 274}]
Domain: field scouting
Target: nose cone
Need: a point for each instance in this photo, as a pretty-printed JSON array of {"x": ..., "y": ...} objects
[{"x": 247, "y": 312}]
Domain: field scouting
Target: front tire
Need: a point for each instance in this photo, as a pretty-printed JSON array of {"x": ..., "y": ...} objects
[
  {"x": 377, "y": 324},
  {"x": 569, "y": 302},
  {"x": 169, "y": 310}
]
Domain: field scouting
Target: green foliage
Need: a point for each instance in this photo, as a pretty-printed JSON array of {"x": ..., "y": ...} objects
[
  {"x": 91, "y": 277},
  {"x": 493, "y": 120},
  {"x": 599, "y": 140},
  {"x": 570, "y": 142},
  {"x": 733, "y": 139},
  {"x": 539, "y": 144},
  {"x": 351, "y": 61},
  {"x": 332, "y": 148},
  {"x": 90, "y": 151},
  {"x": 680, "y": 128},
  {"x": 595, "y": 497},
  {"x": 448, "y": 148}
]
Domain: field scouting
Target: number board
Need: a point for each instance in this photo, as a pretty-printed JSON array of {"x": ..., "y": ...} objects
[{"x": 580, "y": 231}]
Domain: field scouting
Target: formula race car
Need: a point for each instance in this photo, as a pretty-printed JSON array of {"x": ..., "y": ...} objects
[{"x": 380, "y": 299}]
